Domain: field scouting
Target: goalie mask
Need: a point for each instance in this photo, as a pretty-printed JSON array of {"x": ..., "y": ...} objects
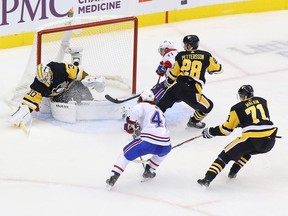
[
  {"x": 147, "y": 96},
  {"x": 163, "y": 46},
  {"x": 44, "y": 74}
]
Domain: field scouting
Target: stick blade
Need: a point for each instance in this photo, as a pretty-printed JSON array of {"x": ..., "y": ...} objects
[
  {"x": 113, "y": 100},
  {"x": 118, "y": 101}
]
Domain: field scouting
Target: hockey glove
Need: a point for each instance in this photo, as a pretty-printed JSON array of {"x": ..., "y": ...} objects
[
  {"x": 97, "y": 83},
  {"x": 129, "y": 126},
  {"x": 161, "y": 70},
  {"x": 206, "y": 134},
  {"x": 167, "y": 64},
  {"x": 167, "y": 82}
]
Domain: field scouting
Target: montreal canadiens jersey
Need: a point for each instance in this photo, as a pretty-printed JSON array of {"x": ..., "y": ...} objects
[
  {"x": 170, "y": 57},
  {"x": 152, "y": 122}
]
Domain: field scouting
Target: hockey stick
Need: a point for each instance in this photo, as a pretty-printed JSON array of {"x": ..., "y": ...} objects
[
  {"x": 156, "y": 85},
  {"x": 141, "y": 159},
  {"x": 143, "y": 163},
  {"x": 189, "y": 140},
  {"x": 193, "y": 138},
  {"x": 118, "y": 101},
  {"x": 158, "y": 80}
]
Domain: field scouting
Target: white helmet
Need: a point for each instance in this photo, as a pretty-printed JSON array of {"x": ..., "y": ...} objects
[
  {"x": 166, "y": 44},
  {"x": 147, "y": 96}
]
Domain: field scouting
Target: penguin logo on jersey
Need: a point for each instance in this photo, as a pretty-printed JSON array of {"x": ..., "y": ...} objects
[{"x": 60, "y": 88}]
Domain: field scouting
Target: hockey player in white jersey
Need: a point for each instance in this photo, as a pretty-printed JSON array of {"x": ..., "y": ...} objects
[
  {"x": 148, "y": 122},
  {"x": 168, "y": 52}
]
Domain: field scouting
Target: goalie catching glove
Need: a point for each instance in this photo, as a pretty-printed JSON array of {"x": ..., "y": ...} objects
[
  {"x": 98, "y": 83},
  {"x": 22, "y": 114}
]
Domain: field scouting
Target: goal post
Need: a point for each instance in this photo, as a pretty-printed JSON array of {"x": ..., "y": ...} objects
[{"x": 101, "y": 45}]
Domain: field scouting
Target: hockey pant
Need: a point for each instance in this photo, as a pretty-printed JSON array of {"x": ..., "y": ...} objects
[
  {"x": 159, "y": 90},
  {"x": 138, "y": 148},
  {"x": 179, "y": 91}
]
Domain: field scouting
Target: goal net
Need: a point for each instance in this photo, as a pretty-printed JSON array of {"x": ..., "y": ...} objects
[{"x": 101, "y": 45}]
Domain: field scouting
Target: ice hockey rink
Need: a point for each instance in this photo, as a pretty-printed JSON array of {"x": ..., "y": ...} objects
[{"x": 61, "y": 168}]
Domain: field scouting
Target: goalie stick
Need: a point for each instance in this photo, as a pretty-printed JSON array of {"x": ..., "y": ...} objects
[{"x": 118, "y": 101}]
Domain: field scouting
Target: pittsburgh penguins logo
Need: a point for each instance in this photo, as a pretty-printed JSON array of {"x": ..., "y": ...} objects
[{"x": 60, "y": 88}]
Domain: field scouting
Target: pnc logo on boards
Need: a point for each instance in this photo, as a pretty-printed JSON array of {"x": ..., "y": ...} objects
[{"x": 27, "y": 10}]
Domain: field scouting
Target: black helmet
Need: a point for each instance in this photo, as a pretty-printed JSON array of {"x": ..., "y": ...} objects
[
  {"x": 245, "y": 92},
  {"x": 192, "y": 40}
]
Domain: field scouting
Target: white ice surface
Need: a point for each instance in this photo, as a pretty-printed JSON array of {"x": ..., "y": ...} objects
[{"x": 61, "y": 168}]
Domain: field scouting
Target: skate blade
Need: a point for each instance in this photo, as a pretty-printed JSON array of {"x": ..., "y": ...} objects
[
  {"x": 145, "y": 179},
  {"x": 109, "y": 187}
]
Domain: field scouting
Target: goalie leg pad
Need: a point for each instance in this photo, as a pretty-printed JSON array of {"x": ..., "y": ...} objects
[
  {"x": 21, "y": 115},
  {"x": 65, "y": 112}
]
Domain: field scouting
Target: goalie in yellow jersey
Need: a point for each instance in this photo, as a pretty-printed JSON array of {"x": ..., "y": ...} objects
[{"x": 52, "y": 80}]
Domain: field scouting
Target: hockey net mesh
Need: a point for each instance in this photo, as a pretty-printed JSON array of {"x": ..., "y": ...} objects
[{"x": 108, "y": 46}]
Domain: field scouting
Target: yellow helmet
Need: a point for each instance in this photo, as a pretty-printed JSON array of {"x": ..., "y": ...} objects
[{"x": 44, "y": 74}]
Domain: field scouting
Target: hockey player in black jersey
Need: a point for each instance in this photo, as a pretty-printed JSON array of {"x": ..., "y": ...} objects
[
  {"x": 52, "y": 80},
  {"x": 186, "y": 80},
  {"x": 258, "y": 134}
]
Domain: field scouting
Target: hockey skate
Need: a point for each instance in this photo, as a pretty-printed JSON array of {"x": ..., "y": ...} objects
[
  {"x": 204, "y": 182},
  {"x": 112, "y": 180},
  {"x": 232, "y": 175},
  {"x": 147, "y": 175},
  {"x": 198, "y": 125}
]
